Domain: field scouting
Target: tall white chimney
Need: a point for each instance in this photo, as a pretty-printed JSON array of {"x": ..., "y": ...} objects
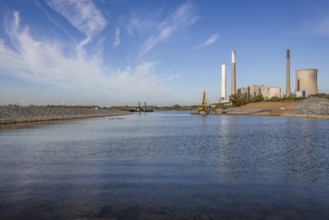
[{"x": 223, "y": 82}]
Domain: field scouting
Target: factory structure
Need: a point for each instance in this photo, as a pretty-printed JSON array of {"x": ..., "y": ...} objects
[
  {"x": 266, "y": 92},
  {"x": 306, "y": 83}
]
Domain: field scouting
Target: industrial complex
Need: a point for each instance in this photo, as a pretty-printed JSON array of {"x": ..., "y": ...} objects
[{"x": 306, "y": 83}]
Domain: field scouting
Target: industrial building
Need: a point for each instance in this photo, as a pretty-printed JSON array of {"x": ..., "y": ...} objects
[
  {"x": 273, "y": 92},
  {"x": 306, "y": 80},
  {"x": 266, "y": 92},
  {"x": 254, "y": 90},
  {"x": 243, "y": 91}
]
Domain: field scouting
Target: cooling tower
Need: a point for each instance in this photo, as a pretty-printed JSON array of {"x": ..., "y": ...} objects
[
  {"x": 306, "y": 79},
  {"x": 223, "y": 82},
  {"x": 288, "y": 74},
  {"x": 233, "y": 79}
]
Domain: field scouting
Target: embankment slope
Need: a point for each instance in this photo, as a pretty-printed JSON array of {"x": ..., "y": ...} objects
[
  {"x": 16, "y": 114},
  {"x": 312, "y": 107}
]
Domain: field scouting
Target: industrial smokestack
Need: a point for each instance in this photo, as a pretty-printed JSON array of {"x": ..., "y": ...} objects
[
  {"x": 288, "y": 74},
  {"x": 233, "y": 80},
  {"x": 223, "y": 82}
]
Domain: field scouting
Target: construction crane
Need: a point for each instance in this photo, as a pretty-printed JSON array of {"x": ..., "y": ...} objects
[{"x": 204, "y": 109}]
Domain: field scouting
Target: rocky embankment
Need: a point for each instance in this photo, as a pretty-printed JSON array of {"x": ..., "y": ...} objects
[
  {"x": 259, "y": 109},
  {"x": 312, "y": 107},
  {"x": 17, "y": 114}
]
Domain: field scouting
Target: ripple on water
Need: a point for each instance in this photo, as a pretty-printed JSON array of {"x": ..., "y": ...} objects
[{"x": 166, "y": 166}]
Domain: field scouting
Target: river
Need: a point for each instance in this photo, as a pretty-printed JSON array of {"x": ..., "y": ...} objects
[{"x": 166, "y": 165}]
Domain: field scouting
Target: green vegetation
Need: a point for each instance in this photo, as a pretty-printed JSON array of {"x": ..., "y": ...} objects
[
  {"x": 240, "y": 99},
  {"x": 321, "y": 95},
  {"x": 274, "y": 99},
  {"x": 287, "y": 99},
  {"x": 243, "y": 99},
  {"x": 221, "y": 106},
  {"x": 257, "y": 98}
]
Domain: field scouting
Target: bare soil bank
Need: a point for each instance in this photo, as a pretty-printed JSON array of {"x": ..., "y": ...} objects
[
  {"x": 18, "y": 114},
  {"x": 270, "y": 108}
]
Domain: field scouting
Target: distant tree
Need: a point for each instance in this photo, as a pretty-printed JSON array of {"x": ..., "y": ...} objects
[
  {"x": 274, "y": 99},
  {"x": 238, "y": 100},
  {"x": 243, "y": 99},
  {"x": 219, "y": 105},
  {"x": 258, "y": 98}
]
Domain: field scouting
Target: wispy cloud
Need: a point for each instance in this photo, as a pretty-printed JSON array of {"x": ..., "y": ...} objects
[
  {"x": 117, "y": 40},
  {"x": 82, "y": 14},
  {"x": 211, "y": 40},
  {"x": 172, "y": 77},
  {"x": 137, "y": 24},
  {"x": 43, "y": 10},
  {"x": 183, "y": 16},
  {"x": 148, "y": 21},
  {"x": 323, "y": 27},
  {"x": 47, "y": 62}
]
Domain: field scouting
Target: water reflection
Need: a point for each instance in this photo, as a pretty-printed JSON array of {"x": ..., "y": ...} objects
[
  {"x": 301, "y": 154},
  {"x": 228, "y": 144}
]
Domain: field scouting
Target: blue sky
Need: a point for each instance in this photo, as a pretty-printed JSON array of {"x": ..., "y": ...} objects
[{"x": 164, "y": 52}]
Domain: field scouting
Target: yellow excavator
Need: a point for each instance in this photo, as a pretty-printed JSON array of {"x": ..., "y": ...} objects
[{"x": 204, "y": 108}]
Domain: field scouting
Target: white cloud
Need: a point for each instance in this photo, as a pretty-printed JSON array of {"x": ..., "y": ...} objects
[
  {"x": 82, "y": 14},
  {"x": 139, "y": 80},
  {"x": 211, "y": 40},
  {"x": 117, "y": 40},
  {"x": 47, "y": 62},
  {"x": 183, "y": 16}
]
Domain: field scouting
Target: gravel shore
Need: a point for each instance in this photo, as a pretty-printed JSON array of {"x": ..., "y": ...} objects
[
  {"x": 312, "y": 107},
  {"x": 17, "y": 114}
]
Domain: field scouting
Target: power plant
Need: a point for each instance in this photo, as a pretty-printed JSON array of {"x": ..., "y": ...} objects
[
  {"x": 233, "y": 79},
  {"x": 306, "y": 83},
  {"x": 288, "y": 74},
  {"x": 306, "y": 80}
]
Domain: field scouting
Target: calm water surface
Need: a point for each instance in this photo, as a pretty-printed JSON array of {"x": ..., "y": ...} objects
[{"x": 166, "y": 166}]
